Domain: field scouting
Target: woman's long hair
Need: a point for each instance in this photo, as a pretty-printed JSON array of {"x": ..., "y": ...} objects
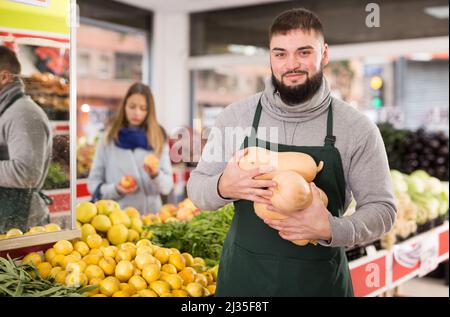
[{"x": 155, "y": 133}]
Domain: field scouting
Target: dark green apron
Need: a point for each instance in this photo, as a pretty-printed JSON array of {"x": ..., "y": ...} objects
[{"x": 256, "y": 261}]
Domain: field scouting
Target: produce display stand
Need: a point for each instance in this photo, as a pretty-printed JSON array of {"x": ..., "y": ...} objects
[
  {"x": 385, "y": 270},
  {"x": 48, "y": 24}
]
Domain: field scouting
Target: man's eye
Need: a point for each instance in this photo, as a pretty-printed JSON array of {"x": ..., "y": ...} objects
[{"x": 305, "y": 53}]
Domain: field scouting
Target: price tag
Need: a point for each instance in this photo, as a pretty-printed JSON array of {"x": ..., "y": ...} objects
[
  {"x": 429, "y": 254},
  {"x": 371, "y": 250}
]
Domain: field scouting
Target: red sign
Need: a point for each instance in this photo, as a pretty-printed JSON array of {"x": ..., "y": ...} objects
[
  {"x": 443, "y": 242},
  {"x": 369, "y": 277}
]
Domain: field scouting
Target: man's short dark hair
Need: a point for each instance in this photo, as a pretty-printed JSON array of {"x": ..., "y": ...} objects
[
  {"x": 9, "y": 60},
  {"x": 295, "y": 19}
]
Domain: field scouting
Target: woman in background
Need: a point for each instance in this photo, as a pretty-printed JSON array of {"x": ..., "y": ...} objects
[{"x": 133, "y": 135}]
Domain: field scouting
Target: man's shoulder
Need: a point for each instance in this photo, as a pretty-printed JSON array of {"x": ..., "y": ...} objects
[
  {"x": 27, "y": 107},
  {"x": 351, "y": 117},
  {"x": 240, "y": 110}
]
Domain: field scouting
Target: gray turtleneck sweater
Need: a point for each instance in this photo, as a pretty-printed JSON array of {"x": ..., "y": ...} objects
[{"x": 358, "y": 140}]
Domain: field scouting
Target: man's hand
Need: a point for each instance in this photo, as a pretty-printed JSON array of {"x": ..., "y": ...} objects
[
  {"x": 236, "y": 183},
  {"x": 311, "y": 223}
]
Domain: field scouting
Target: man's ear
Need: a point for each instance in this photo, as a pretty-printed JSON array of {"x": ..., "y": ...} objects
[
  {"x": 4, "y": 78},
  {"x": 325, "y": 58}
]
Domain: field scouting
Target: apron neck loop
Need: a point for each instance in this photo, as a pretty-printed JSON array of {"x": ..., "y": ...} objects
[
  {"x": 330, "y": 139},
  {"x": 256, "y": 119}
]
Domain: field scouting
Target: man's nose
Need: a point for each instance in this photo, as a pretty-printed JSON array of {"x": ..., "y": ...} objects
[{"x": 292, "y": 63}]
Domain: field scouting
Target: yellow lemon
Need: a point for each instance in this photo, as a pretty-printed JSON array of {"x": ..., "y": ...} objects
[
  {"x": 44, "y": 269},
  {"x": 160, "y": 287},
  {"x": 123, "y": 255},
  {"x": 92, "y": 259},
  {"x": 175, "y": 251},
  {"x": 151, "y": 273},
  {"x": 144, "y": 259},
  {"x": 143, "y": 242},
  {"x": 169, "y": 268},
  {"x": 12, "y": 233},
  {"x": 147, "y": 293},
  {"x": 77, "y": 267},
  {"x": 132, "y": 212},
  {"x": 189, "y": 259},
  {"x": 86, "y": 211},
  {"x": 76, "y": 254},
  {"x": 94, "y": 271},
  {"x": 117, "y": 234},
  {"x": 108, "y": 265},
  {"x": 136, "y": 224},
  {"x": 173, "y": 280},
  {"x": 133, "y": 235},
  {"x": 144, "y": 249},
  {"x": 52, "y": 227},
  {"x": 60, "y": 277},
  {"x": 76, "y": 279},
  {"x": 57, "y": 260},
  {"x": 99, "y": 295},
  {"x": 105, "y": 242},
  {"x": 201, "y": 279},
  {"x": 211, "y": 288},
  {"x": 188, "y": 275},
  {"x": 96, "y": 282},
  {"x": 138, "y": 283},
  {"x": 86, "y": 230},
  {"x": 178, "y": 261},
  {"x": 109, "y": 286},
  {"x": 81, "y": 247},
  {"x": 180, "y": 293},
  {"x": 106, "y": 207},
  {"x": 33, "y": 258},
  {"x": 63, "y": 247},
  {"x": 195, "y": 289},
  {"x": 162, "y": 254},
  {"x": 124, "y": 270},
  {"x": 94, "y": 241},
  {"x": 54, "y": 271},
  {"x": 49, "y": 254},
  {"x": 35, "y": 230},
  {"x": 199, "y": 261},
  {"x": 68, "y": 259},
  {"x": 119, "y": 217},
  {"x": 110, "y": 251},
  {"x": 101, "y": 223},
  {"x": 96, "y": 251}
]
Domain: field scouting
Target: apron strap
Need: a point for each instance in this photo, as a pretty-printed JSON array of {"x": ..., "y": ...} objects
[
  {"x": 13, "y": 100},
  {"x": 256, "y": 119},
  {"x": 330, "y": 139}
]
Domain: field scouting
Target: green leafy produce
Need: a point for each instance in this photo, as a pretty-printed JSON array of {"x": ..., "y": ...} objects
[
  {"x": 203, "y": 236},
  {"x": 16, "y": 280},
  {"x": 56, "y": 177}
]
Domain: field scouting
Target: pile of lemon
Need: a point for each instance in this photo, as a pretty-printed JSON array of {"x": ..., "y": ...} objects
[
  {"x": 130, "y": 269},
  {"x": 111, "y": 255},
  {"x": 14, "y": 232}
]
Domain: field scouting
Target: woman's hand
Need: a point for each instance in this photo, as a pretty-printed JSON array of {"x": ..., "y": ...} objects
[
  {"x": 311, "y": 223},
  {"x": 153, "y": 172},
  {"x": 125, "y": 191}
]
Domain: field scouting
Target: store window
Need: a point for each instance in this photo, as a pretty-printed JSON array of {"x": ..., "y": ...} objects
[{"x": 128, "y": 66}]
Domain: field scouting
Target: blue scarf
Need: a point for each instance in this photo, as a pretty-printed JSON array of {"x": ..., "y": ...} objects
[{"x": 132, "y": 138}]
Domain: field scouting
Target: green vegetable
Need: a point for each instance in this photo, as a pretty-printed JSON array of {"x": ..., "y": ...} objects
[
  {"x": 55, "y": 177},
  {"x": 16, "y": 280},
  {"x": 203, "y": 236}
]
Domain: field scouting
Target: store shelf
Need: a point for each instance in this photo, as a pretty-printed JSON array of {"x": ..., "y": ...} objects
[
  {"x": 383, "y": 270},
  {"x": 60, "y": 127}
]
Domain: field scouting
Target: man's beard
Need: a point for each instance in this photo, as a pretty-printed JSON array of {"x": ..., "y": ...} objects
[{"x": 294, "y": 95}]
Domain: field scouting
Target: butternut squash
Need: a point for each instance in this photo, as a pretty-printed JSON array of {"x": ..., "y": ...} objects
[
  {"x": 290, "y": 185},
  {"x": 300, "y": 163}
]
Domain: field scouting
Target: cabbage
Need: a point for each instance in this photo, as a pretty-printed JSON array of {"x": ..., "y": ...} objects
[
  {"x": 428, "y": 205},
  {"x": 416, "y": 185},
  {"x": 434, "y": 186},
  {"x": 420, "y": 174},
  {"x": 398, "y": 182}
]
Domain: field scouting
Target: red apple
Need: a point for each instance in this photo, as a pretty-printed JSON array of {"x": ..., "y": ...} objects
[{"x": 128, "y": 182}]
